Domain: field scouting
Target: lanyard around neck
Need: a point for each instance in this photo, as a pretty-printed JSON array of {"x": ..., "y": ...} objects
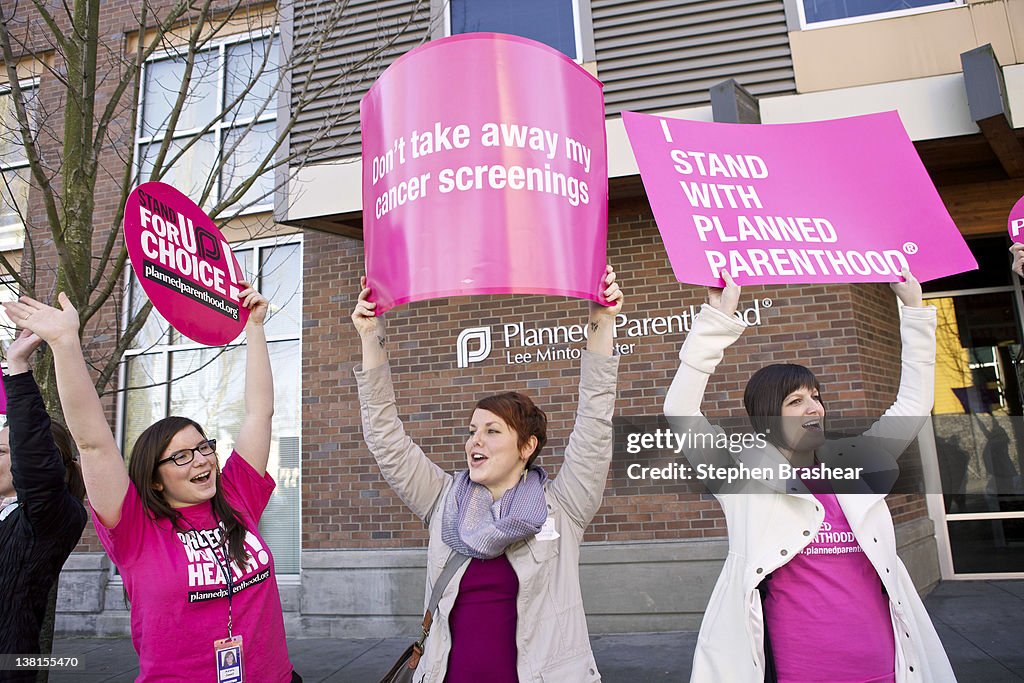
[{"x": 223, "y": 561}]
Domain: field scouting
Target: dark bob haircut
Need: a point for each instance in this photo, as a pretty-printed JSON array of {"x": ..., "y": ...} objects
[
  {"x": 522, "y": 415},
  {"x": 768, "y": 388}
]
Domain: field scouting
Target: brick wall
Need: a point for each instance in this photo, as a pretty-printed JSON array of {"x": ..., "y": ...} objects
[{"x": 847, "y": 334}]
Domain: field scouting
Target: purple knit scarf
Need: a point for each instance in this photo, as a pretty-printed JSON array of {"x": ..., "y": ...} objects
[{"x": 469, "y": 527}]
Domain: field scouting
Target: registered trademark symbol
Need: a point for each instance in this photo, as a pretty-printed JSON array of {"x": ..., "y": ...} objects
[
  {"x": 910, "y": 247},
  {"x": 767, "y": 303}
]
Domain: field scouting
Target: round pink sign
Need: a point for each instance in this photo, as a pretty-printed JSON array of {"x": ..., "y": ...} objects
[
  {"x": 1015, "y": 223},
  {"x": 184, "y": 264}
]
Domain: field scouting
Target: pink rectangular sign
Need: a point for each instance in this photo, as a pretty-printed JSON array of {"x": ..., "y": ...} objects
[
  {"x": 484, "y": 172},
  {"x": 829, "y": 201}
]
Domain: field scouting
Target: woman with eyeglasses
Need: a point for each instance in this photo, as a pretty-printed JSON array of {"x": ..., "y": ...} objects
[{"x": 182, "y": 531}]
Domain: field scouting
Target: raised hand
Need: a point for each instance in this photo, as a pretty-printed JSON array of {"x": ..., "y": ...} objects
[
  {"x": 601, "y": 335},
  {"x": 20, "y": 350},
  {"x": 1018, "y": 259},
  {"x": 612, "y": 293},
  {"x": 908, "y": 291},
  {"x": 257, "y": 304},
  {"x": 363, "y": 317},
  {"x": 727, "y": 298},
  {"x": 370, "y": 329},
  {"x": 53, "y": 325}
]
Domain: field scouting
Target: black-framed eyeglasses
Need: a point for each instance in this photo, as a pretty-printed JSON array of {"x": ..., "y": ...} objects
[{"x": 187, "y": 455}]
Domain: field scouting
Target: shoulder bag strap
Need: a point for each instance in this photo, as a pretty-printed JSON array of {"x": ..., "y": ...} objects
[{"x": 455, "y": 561}]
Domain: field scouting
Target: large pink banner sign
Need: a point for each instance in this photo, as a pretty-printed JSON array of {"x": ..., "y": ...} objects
[
  {"x": 830, "y": 201},
  {"x": 484, "y": 172}
]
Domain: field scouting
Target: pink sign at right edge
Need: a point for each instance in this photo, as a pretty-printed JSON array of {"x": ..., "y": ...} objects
[
  {"x": 1015, "y": 223},
  {"x": 846, "y": 201}
]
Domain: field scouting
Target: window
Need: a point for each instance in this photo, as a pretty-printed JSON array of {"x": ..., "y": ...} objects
[
  {"x": 552, "y": 22},
  {"x": 233, "y": 86},
  {"x": 14, "y": 171},
  {"x": 168, "y": 374},
  {"x": 815, "y": 13}
]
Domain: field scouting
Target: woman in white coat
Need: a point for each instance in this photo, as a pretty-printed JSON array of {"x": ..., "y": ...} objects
[{"x": 812, "y": 588}]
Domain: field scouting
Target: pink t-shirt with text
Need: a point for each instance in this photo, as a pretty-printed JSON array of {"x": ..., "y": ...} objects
[
  {"x": 178, "y": 593},
  {"x": 827, "y": 615}
]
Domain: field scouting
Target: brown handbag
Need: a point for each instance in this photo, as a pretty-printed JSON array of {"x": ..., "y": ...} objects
[{"x": 405, "y": 668}]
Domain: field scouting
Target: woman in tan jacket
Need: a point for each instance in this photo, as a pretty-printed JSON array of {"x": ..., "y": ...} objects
[{"x": 513, "y": 612}]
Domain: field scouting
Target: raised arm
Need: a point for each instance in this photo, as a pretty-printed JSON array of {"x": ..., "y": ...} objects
[
  {"x": 601, "y": 335},
  {"x": 713, "y": 330},
  {"x": 404, "y": 465},
  {"x": 253, "y": 442},
  {"x": 901, "y": 423},
  {"x": 36, "y": 463},
  {"x": 579, "y": 486},
  {"x": 106, "y": 479}
]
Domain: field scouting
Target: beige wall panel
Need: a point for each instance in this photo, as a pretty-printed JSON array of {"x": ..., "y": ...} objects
[
  {"x": 1015, "y": 17},
  {"x": 992, "y": 25},
  {"x": 27, "y": 68},
  {"x": 255, "y": 227},
  {"x": 903, "y": 48}
]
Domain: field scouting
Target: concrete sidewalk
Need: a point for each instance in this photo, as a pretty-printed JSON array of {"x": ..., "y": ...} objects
[{"x": 980, "y": 623}]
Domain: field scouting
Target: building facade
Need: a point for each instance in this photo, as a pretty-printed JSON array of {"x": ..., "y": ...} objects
[{"x": 351, "y": 557}]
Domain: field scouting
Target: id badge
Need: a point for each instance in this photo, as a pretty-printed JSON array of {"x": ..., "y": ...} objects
[{"x": 228, "y": 653}]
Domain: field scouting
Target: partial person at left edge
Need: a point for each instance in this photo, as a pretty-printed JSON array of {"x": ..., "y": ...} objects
[{"x": 41, "y": 512}]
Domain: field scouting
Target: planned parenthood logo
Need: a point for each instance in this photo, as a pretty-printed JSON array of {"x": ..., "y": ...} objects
[
  {"x": 481, "y": 337},
  {"x": 541, "y": 342}
]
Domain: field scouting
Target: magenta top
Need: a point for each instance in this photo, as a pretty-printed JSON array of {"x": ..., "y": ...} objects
[
  {"x": 827, "y": 615},
  {"x": 483, "y": 624},
  {"x": 176, "y": 583}
]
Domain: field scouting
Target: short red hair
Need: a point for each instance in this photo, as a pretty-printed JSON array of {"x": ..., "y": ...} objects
[{"x": 522, "y": 415}]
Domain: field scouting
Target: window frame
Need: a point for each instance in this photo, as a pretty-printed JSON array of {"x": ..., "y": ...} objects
[
  {"x": 7, "y": 234},
  {"x": 220, "y": 128},
  {"x": 583, "y": 30},
  {"x": 8, "y": 330},
  {"x": 860, "y": 19}
]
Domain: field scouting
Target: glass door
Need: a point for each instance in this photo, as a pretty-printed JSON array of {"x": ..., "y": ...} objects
[{"x": 977, "y": 419}]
